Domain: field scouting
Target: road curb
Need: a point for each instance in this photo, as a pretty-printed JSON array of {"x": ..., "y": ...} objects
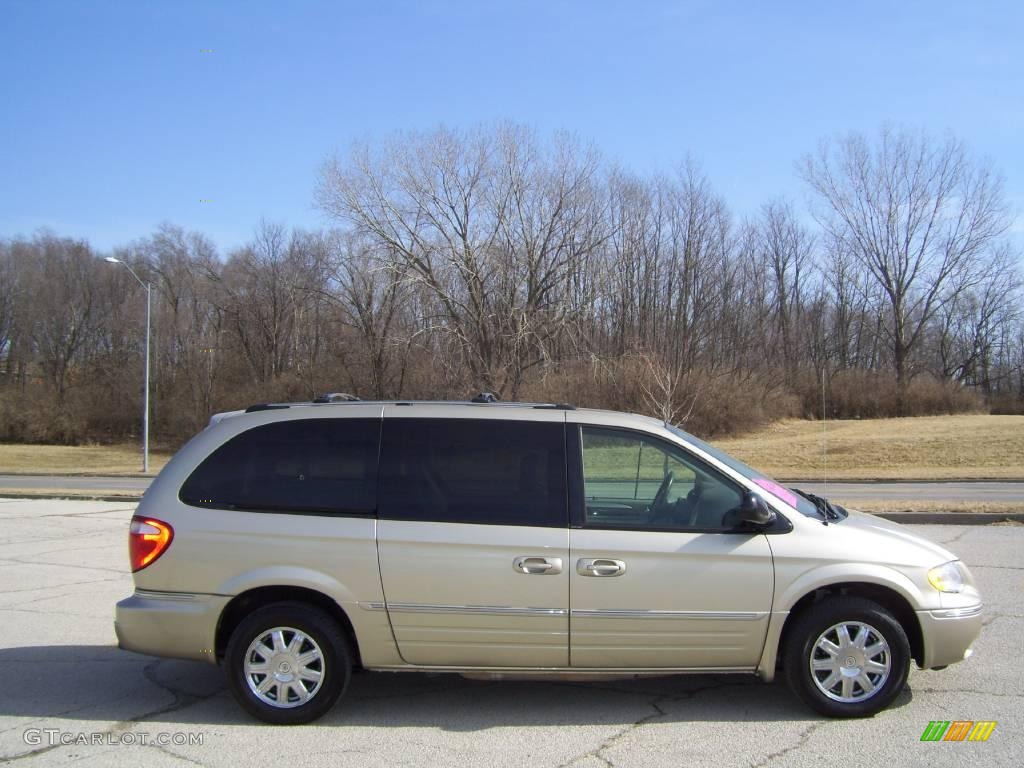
[
  {"x": 68, "y": 497},
  {"x": 119, "y": 475},
  {"x": 951, "y": 518}
]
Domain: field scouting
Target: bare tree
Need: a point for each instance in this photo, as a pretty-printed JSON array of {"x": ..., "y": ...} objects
[
  {"x": 786, "y": 247},
  {"x": 9, "y": 291},
  {"x": 189, "y": 324},
  {"x": 370, "y": 290},
  {"x": 669, "y": 392},
  {"x": 64, "y": 318},
  {"x": 918, "y": 214},
  {"x": 492, "y": 224},
  {"x": 258, "y": 292},
  {"x": 972, "y": 324}
]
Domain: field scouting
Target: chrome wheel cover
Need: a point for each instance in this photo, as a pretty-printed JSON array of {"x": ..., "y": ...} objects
[
  {"x": 284, "y": 667},
  {"x": 850, "y": 662}
]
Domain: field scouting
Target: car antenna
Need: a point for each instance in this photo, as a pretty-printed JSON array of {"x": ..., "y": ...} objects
[{"x": 824, "y": 436}]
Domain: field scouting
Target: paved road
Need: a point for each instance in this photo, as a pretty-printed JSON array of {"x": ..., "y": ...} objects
[
  {"x": 63, "y": 565},
  {"x": 934, "y": 491},
  {"x": 1003, "y": 491}
]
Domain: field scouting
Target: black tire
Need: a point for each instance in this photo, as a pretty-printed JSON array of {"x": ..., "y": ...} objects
[
  {"x": 334, "y": 663},
  {"x": 800, "y": 649}
]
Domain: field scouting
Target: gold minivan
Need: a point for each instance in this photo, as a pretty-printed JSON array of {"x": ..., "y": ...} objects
[{"x": 292, "y": 543}]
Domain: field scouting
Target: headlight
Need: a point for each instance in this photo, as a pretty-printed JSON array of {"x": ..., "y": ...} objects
[{"x": 948, "y": 577}]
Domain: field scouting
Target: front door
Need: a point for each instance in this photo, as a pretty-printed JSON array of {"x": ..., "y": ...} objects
[
  {"x": 473, "y": 538},
  {"x": 658, "y": 578}
]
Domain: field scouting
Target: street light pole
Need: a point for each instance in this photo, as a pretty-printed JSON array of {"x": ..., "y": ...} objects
[
  {"x": 145, "y": 397},
  {"x": 145, "y": 403}
]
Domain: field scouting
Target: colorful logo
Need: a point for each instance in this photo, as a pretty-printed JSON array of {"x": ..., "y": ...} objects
[{"x": 958, "y": 730}]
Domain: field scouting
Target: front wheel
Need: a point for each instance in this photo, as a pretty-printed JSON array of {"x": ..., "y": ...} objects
[
  {"x": 847, "y": 657},
  {"x": 287, "y": 663}
]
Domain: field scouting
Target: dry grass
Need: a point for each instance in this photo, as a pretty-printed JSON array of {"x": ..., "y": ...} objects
[
  {"x": 71, "y": 493},
  {"x": 979, "y": 507},
  {"x": 919, "y": 448},
  {"x": 19, "y": 458}
]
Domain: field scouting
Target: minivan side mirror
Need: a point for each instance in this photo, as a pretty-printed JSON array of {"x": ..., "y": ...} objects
[{"x": 754, "y": 511}]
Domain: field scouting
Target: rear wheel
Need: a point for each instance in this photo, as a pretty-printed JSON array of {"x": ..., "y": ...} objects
[
  {"x": 847, "y": 657},
  {"x": 287, "y": 663}
]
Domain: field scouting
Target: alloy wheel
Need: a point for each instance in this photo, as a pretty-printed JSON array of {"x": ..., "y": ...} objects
[
  {"x": 284, "y": 667},
  {"x": 850, "y": 662}
]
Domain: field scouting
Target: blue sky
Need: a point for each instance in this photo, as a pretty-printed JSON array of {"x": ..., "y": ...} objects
[{"x": 113, "y": 119}]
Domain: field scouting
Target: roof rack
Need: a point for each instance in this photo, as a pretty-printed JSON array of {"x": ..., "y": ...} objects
[
  {"x": 343, "y": 397},
  {"x": 265, "y": 407},
  {"x": 336, "y": 397}
]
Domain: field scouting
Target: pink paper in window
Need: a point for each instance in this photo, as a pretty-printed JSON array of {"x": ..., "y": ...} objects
[{"x": 772, "y": 487}]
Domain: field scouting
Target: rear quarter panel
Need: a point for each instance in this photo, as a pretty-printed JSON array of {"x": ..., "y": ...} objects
[{"x": 228, "y": 552}]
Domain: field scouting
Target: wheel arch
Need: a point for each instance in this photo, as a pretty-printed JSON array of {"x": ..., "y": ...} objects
[
  {"x": 245, "y": 603},
  {"x": 889, "y": 598}
]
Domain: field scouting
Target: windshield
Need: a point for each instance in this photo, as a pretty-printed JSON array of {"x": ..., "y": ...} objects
[{"x": 803, "y": 505}]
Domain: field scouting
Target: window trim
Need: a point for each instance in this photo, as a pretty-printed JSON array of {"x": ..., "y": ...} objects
[
  {"x": 362, "y": 513},
  {"x": 577, "y": 502},
  {"x": 578, "y": 490},
  {"x": 350, "y": 512}
]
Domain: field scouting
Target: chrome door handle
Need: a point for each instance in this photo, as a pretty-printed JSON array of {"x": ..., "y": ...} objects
[
  {"x": 600, "y": 566},
  {"x": 537, "y": 566}
]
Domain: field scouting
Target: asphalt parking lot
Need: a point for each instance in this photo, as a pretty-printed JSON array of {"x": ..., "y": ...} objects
[{"x": 63, "y": 565}]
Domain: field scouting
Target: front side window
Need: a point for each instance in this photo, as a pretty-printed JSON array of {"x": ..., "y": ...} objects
[
  {"x": 325, "y": 466},
  {"x": 802, "y": 505},
  {"x": 487, "y": 472},
  {"x": 634, "y": 481}
]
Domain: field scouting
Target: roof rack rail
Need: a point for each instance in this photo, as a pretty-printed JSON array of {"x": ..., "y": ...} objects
[
  {"x": 335, "y": 397},
  {"x": 556, "y": 407},
  {"x": 265, "y": 407},
  {"x": 484, "y": 397}
]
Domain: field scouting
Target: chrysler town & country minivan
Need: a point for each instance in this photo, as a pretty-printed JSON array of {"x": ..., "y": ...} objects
[{"x": 293, "y": 543}]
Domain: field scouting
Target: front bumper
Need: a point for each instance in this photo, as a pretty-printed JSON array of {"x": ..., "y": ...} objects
[
  {"x": 175, "y": 624},
  {"x": 948, "y": 634}
]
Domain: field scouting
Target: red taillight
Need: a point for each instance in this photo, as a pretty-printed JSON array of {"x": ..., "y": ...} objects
[{"x": 147, "y": 540}]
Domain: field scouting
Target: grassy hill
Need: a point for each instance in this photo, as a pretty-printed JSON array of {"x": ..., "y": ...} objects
[
  {"x": 123, "y": 459},
  {"x": 920, "y": 448}
]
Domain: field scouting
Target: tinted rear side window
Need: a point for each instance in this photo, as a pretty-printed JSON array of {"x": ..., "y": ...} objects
[
  {"x": 473, "y": 471},
  {"x": 326, "y": 466}
]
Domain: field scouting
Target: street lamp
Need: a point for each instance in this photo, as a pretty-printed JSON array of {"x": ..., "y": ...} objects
[{"x": 145, "y": 406}]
